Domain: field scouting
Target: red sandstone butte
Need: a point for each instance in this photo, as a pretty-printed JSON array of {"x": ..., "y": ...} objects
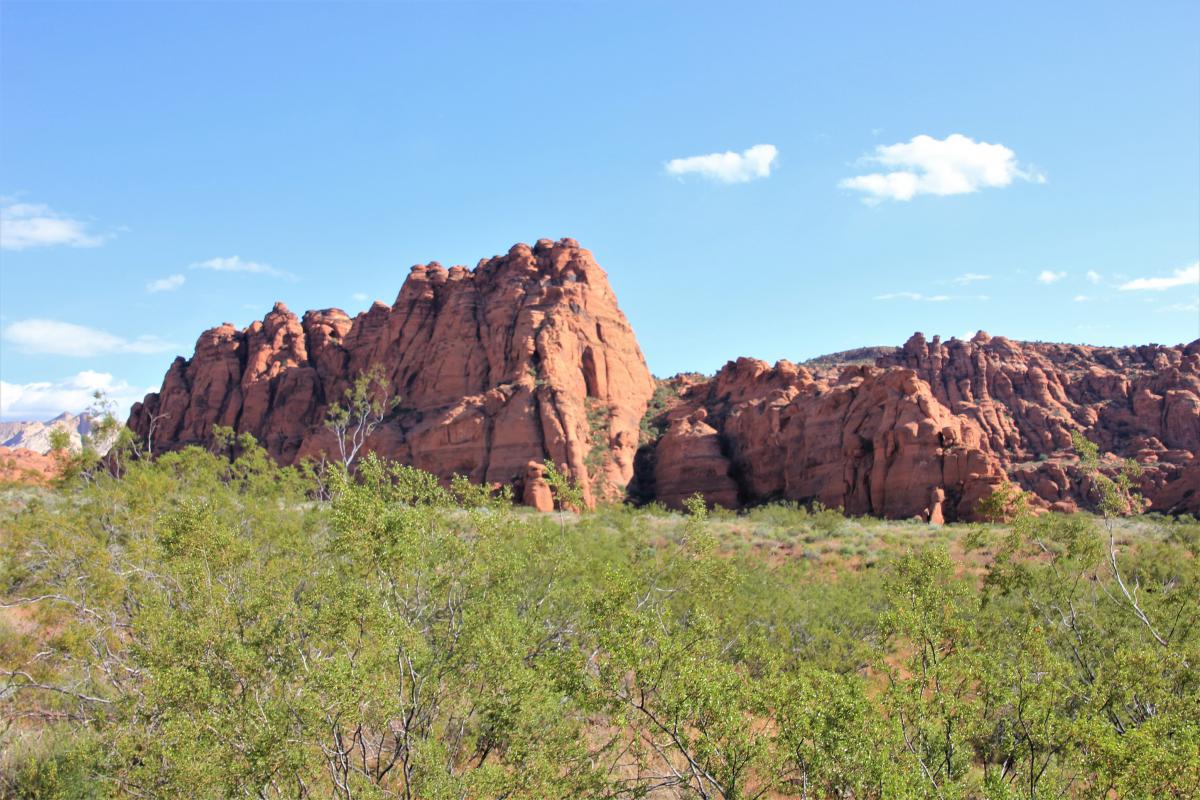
[
  {"x": 528, "y": 357},
  {"x": 495, "y": 367}
]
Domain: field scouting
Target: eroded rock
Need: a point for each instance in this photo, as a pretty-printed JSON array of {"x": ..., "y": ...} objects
[{"x": 494, "y": 367}]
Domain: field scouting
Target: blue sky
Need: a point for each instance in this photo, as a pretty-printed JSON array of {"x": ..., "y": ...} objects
[{"x": 316, "y": 151}]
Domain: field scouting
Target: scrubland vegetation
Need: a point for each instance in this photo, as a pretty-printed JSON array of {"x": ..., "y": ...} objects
[{"x": 211, "y": 627}]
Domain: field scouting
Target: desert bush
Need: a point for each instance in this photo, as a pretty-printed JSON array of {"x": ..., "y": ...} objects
[{"x": 199, "y": 625}]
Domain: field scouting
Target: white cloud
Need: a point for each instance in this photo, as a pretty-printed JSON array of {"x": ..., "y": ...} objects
[
  {"x": 42, "y": 400},
  {"x": 917, "y": 296},
  {"x": 1094, "y": 277},
  {"x": 167, "y": 284},
  {"x": 924, "y": 165},
  {"x": 52, "y": 337},
  {"x": 236, "y": 264},
  {"x": 24, "y": 225},
  {"x": 1082, "y": 298},
  {"x": 969, "y": 278},
  {"x": 1047, "y": 276},
  {"x": 1184, "y": 307},
  {"x": 1187, "y": 276},
  {"x": 728, "y": 167},
  {"x": 361, "y": 297}
]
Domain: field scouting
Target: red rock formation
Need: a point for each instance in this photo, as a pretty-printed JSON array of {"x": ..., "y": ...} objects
[
  {"x": 1180, "y": 494},
  {"x": 528, "y": 357},
  {"x": 1134, "y": 402},
  {"x": 690, "y": 461},
  {"x": 537, "y": 493},
  {"x": 22, "y": 465},
  {"x": 873, "y": 442},
  {"x": 494, "y": 367},
  {"x": 936, "y": 426},
  {"x": 1028, "y": 397}
]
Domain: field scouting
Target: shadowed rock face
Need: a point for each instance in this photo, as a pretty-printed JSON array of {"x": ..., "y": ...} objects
[
  {"x": 528, "y": 357},
  {"x": 867, "y": 440},
  {"x": 525, "y": 357},
  {"x": 934, "y": 427}
]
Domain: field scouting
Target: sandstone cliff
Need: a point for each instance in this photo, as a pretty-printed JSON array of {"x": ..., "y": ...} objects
[
  {"x": 528, "y": 357},
  {"x": 934, "y": 427},
  {"x": 1134, "y": 402},
  {"x": 525, "y": 357},
  {"x": 866, "y": 440}
]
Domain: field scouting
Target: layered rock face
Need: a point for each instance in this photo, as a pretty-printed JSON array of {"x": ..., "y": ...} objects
[
  {"x": 866, "y": 440},
  {"x": 934, "y": 427},
  {"x": 1141, "y": 403},
  {"x": 526, "y": 357}
]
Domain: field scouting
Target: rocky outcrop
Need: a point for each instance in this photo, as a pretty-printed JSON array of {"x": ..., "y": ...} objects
[
  {"x": 934, "y": 427},
  {"x": 1029, "y": 397},
  {"x": 690, "y": 460},
  {"x": 524, "y": 358},
  {"x": 527, "y": 357},
  {"x": 868, "y": 441},
  {"x": 1140, "y": 403},
  {"x": 537, "y": 493},
  {"x": 24, "y": 466}
]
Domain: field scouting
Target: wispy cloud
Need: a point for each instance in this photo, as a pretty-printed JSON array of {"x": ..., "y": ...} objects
[
  {"x": 56, "y": 338},
  {"x": 41, "y": 400},
  {"x": 1094, "y": 277},
  {"x": 924, "y": 165},
  {"x": 1186, "y": 276},
  {"x": 969, "y": 278},
  {"x": 361, "y": 297},
  {"x": 915, "y": 296},
  {"x": 728, "y": 167},
  {"x": 236, "y": 264},
  {"x": 167, "y": 284},
  {"x": 25, "y": 225},
  {"x": 1082, "y": 298},
  {"x": 1049, "y": 276}
]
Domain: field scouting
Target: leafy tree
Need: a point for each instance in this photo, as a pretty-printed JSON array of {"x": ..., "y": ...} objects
[
  {"x": 60, "y": 441},
  {"x": 366, "y": 402},
  {"x": 692, "y": 713},
  {"x": 1006, "y": 503},
  {"x": 934, "y": 700},
  {"x": 568, "y": 494}
]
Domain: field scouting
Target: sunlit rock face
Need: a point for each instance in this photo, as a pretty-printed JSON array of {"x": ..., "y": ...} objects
[
  {"x": 934, "y": 426},
  {"x": 524, "y": 358},
  {"x": 528, "y": 357}
]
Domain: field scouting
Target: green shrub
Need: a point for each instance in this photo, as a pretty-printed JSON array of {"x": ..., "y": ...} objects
[{"x": 206, "y": 626}]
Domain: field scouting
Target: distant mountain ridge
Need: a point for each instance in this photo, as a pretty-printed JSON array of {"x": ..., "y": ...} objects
[{"x": 35, "y": 435}]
